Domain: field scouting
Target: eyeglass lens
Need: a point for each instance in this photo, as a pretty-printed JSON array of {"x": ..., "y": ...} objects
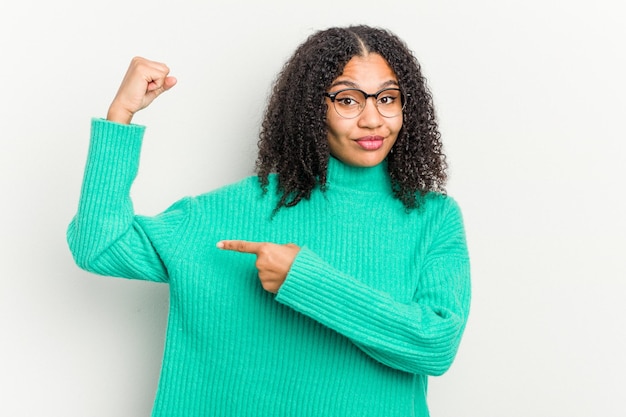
[{"x": 349, "y": 103}]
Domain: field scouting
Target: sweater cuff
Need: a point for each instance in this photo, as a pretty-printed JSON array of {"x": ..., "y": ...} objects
[
  {"x": 102, "y": 128},
  {"x": 114, "y": 152}
]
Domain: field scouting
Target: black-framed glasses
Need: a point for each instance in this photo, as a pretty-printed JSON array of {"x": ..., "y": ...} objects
[{"x": 350, "y": 102}]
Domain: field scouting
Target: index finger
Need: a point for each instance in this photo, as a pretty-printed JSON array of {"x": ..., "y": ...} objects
[{"x": 243, "y": 246}]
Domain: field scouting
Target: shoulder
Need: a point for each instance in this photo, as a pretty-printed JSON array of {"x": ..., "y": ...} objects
[
  {"x": 442, "y": 215},
  {"x": 439, "y": 205},
  {"x": 447, "y": 226}
]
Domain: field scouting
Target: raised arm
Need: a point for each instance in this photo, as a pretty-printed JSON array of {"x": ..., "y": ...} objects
[{"x": 105, "y": 236}]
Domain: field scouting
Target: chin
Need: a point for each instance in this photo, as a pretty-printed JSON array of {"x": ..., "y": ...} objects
[{"x": 364, "y": 162}]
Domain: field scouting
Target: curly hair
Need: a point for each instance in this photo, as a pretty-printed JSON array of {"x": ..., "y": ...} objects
[{"x": 293, "y": 138}]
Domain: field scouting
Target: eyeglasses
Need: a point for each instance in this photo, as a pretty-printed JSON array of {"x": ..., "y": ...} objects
[{"x": 350, "y": 102}]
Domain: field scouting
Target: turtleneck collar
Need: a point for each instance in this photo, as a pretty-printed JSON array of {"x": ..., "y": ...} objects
[{"x": 370, "y": 179}]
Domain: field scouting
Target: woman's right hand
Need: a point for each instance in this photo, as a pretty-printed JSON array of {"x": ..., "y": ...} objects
[{"x": 144, "y": 81}]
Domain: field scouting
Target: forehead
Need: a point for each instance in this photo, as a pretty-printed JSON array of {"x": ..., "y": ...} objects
[{"x": 367, "y": 71}]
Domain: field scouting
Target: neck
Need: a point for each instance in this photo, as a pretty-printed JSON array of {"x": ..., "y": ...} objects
[{"x": 372, "y": 179}]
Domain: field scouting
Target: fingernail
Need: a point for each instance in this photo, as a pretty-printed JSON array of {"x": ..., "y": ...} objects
[{"x": 220, "y": 244}]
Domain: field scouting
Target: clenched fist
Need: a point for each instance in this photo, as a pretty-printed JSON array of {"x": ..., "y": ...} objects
[{"x": 144, "y": 81}]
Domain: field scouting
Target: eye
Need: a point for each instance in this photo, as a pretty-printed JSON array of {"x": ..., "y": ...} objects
[
  {"x": 347, "y": 99},
  {"x": 388, "y": 97}
]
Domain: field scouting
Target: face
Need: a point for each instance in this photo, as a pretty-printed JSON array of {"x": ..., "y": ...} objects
[{"x": 365, "y": 140}]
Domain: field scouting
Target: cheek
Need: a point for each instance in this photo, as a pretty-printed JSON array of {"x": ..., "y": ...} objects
[
  {"x": 395, "y": 130},
  {"x": 337, "y": 126},
  {"x": 330, "y": 115},
  {"x": 399, "y": 124}
]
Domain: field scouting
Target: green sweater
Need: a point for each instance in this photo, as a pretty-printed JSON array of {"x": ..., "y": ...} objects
[{"x": 376, "y": 299}]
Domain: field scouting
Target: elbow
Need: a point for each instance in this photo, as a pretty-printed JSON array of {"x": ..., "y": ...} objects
[
  {"x": 433, "y": 359},
  {"x": 441, "y": 365},
  {"x": 81, "y": 247},
  {"x": 435, "y": 356},
  {"x": 442, "y": 354},
  {"x": 437, "y": 362},
  {"x": 83, "y": 262},
  {"x": 442, "y": 347}
]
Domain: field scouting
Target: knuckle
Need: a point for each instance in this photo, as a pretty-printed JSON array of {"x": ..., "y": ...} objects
[
  {"x": 137, "y": 61},
  {"x": 265, "y": 249}
]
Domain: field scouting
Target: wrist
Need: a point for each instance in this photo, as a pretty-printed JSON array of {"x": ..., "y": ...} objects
[{"x": 118, "y": 115}]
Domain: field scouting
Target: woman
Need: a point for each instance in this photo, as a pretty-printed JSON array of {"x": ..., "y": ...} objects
[{"x": 330, "y": 284}]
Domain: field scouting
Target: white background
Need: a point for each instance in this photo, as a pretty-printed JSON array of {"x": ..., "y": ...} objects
[{"x": 531, "y": 101}]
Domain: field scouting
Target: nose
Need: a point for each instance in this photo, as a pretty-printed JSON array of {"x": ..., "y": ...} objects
[{"x": 370, "y": 117}]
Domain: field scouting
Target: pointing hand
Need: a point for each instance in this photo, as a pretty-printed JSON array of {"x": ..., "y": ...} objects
[{"x": 272, "y": 260}]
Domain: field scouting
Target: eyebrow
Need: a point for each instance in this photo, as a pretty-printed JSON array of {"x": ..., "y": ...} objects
[{"x": 351, "y": 84}]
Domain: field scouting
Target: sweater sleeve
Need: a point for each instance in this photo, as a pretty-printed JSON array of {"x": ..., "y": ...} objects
[
  {"x": 105, "y": 236},
  {"x": 420, "y": 337}
]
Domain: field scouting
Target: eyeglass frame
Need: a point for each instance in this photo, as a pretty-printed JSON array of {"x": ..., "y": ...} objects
[{"x": 403, "y": 97}]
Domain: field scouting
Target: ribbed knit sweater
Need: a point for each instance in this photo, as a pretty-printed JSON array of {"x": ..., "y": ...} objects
[{"x": 375, "y": 301}]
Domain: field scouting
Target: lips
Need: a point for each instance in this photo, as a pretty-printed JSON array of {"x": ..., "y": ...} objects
[{"x": 370, "y": 143}]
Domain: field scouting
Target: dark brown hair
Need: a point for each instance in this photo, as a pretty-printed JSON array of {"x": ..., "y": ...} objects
[{"x": 293, "y": 139}]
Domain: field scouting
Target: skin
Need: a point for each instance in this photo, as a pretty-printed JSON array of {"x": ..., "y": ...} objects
[
  {"x": 145, "y": 80},
  {"x": 273, "y": 261},
  {"x": 369, "y": 73}
]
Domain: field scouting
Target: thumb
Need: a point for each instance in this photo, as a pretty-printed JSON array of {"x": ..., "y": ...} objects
[
  {"x": 169, "y": 83},
  {"x": 154, "y": 87}
]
